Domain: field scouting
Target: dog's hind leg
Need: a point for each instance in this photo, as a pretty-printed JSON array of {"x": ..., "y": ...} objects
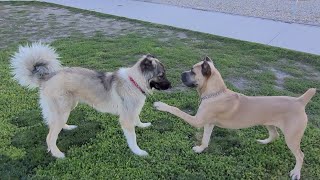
[
  {"x": 293, "y": 132},
  {"x": 55, "y": 127},
  {"x": 59, "y": 114},
  {"x": 127, "y": 126},
  {"x": 141, "y": 124},
  {"x": 293, "y": 142},
  {"x": 273, "y": 134},
  {"x": 205, "y": 138},
  {"x": 55, "y": 121},
  {"x": 71, "y": 127}
]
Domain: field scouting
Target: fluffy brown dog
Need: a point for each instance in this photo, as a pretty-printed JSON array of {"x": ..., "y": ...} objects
[
  {"x": 227, "y": 109},
  {"x": 122, "y": 92}
]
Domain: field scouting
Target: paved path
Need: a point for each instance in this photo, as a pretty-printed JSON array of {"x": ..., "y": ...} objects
[
  {"x": 297, "y": 37},
  {"x": 293, "y": 11}
]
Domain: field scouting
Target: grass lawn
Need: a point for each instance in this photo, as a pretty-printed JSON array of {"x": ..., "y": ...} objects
[{"x": 97, "y": 148}]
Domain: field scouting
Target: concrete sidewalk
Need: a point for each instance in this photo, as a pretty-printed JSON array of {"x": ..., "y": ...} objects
[{"x": 290, "y": 36}]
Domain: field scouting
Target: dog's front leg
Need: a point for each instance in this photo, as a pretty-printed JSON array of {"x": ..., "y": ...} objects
[
  {"x": 194, "y": 121},
  {"x": 205, "y": 138},
  {"x": 127, "y": 126}
]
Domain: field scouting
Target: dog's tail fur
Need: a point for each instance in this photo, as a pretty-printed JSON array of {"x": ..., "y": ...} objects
[
  {"x": 306, "y": 97},
  {"x": 33, "y": 64}
]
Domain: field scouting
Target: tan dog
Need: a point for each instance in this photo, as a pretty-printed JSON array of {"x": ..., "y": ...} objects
[
  {"x": 122, "y": 92},
  {"x": 227, "y": 109}
]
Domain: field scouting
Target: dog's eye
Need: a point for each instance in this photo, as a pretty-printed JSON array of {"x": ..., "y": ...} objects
[{"x": 160, "y": 75}]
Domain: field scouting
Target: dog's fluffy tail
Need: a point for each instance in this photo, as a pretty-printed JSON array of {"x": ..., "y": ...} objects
[
  {"x": 32, "y": 64},
  {"x": 306, "y": 97}
]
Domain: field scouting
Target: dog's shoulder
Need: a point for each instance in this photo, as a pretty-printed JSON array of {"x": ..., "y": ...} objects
[
  {"x": 228, "y": 98},
  {"x": 225, "y": 103}
]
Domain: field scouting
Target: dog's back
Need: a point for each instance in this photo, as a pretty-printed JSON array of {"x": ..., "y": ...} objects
[
  {"x": 275, "y": 104},
  {"x": 258, "y": 110}
]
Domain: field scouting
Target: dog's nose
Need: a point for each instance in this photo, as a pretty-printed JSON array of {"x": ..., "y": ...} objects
[
  {"x": 167, "y": 85},
  {"x": 184, "y": 77}
]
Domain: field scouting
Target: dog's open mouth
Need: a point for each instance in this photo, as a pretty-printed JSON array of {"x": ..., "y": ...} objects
[{"x": 162, "y": 85}]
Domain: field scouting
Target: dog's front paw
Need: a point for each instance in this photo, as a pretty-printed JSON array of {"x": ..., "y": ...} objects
[
  {"x": 295, "y": 174},
  {"x": 144, "y": 125},
  {"x": 69, "y": 127},
  {"x": 58, "y": 154},
  {"x": 141, "y": 153},
  {"x": 198, "y": 149},
  {"x": 161, "y": 106}
]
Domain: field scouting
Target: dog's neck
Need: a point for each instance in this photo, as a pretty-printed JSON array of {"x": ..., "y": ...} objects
[
  {"x": 137, "y": 77},
  {"x": 212, "y": 85}
]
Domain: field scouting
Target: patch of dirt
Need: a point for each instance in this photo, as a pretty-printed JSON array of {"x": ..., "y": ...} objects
[
  {"x": 195, "y": 40},
  {"x": 312, "y": 73},
  {"x": 164, "y": 39},
  {"x": 34, "y": 23},
  {"x": 239, "y": 82},
  {"x": 280, "y": 75},
  {"x": 258, "y": 70},
  {"x": 182, "y": 35}
]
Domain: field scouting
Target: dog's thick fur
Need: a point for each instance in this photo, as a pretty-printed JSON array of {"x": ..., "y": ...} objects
[
  {"x": 121, "y": 93},
  {"x": 227, "y": 109}
]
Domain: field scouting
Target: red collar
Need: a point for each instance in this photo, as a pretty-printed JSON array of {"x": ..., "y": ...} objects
[{"x": 136, "y": 85}]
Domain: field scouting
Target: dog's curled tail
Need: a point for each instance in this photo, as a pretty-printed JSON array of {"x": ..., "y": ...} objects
[
  {"x": 32, "y": 64},
  {"x": 306, "y": 97}
]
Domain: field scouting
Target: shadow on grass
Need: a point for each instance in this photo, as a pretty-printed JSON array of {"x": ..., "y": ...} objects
[
  {"x": 32, "y": 138},
  {"x": 222, "y": 142},
  {"x": 163, "y": 125}
]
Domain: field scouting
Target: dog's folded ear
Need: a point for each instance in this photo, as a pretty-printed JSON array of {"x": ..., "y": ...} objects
[
  {"x": 206, "y": 69},
  {"x": 207, "y": 59},
  {"x": 146, "y": 65},
  {"x": 150, "y": 56}
]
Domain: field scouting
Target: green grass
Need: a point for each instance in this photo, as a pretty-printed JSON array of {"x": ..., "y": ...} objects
[{"x": 98, "y": 150}]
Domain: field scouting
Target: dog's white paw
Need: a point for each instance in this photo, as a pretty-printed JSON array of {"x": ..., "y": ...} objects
[
  {"x": 295, "y": 174},
  {"x": 69, "y": 127},
  {"x": 144, "y": 125},
  {"x": 59, "y": 154},
  {"x": 141, "y": 153},
  {"x": 265, "y": 141},
  {"x": 161, "y": 106},
  {"x": 198, "y": 149}
]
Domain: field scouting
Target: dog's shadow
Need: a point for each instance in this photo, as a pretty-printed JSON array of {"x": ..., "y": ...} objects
[
  {"x": 31, "y": 138},
  {"x": 222, "y": 141}
]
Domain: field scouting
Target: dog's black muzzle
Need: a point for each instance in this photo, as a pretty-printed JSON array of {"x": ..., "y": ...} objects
[
  {"x": 160, "y": 85},
  {"x": 186, "y": 79}
]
